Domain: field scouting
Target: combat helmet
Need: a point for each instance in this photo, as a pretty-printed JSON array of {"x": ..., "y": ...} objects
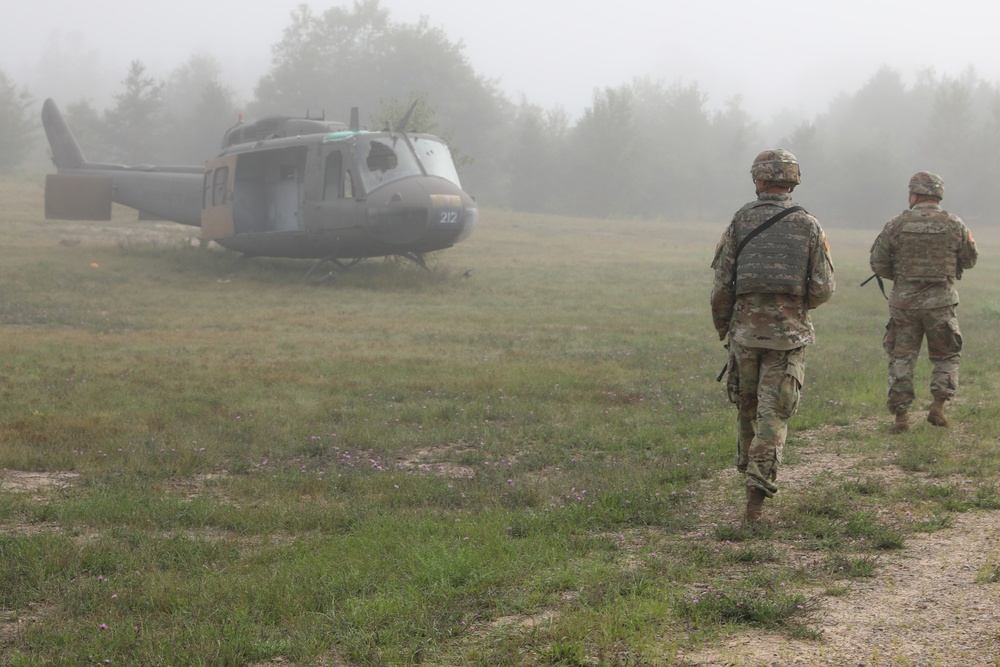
[
  {"x": 776, "y": 166},
  {"x": 926, "y": 183}
]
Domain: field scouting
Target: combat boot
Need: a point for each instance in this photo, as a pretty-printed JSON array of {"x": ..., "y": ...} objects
[
  {"x": 936, "y": 413},
  {"x": 902, "y": 422},
  {"x": 755, "y": 504}
]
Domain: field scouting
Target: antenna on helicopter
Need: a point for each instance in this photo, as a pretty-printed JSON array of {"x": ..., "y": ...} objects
[
  {"x": 355, "y": 121},
  {"x": 401, "y": 125}
]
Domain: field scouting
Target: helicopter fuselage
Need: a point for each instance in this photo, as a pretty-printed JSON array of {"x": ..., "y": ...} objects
[{"x": 336, "y": 193}]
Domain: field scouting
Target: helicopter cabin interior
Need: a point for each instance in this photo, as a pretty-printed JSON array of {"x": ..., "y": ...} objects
[{"x": 266, "y": 191}]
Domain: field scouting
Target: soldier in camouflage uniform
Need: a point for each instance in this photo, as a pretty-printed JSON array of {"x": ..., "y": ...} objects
[
  {"x": 761, "y": 298},
  {"x": 923, "y": 251}
]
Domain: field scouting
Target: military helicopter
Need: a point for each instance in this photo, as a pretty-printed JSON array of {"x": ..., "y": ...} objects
[{"x": 283, "y": 187}]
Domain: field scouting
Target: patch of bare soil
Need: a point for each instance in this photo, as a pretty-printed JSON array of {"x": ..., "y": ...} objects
[
  {"x": 13, "y": 624},
  {"x": 194, "y": 487},
  {"x": 36, "y": 483},
  {"x": 924, "y": 607},
  {"x": 436, "y": 460}
]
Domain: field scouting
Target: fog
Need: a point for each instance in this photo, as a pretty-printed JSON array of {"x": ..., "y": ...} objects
[
  {"x": 783, "y": 56},
  {"x": 659, "y": 107}
]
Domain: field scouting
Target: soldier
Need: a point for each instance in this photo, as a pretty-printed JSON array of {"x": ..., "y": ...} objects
[
  {"x": 771, "y": 267},
  {"x": 923, "y": 251}
]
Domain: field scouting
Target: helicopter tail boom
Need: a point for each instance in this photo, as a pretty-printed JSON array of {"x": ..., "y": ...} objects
[{"x": 84, "y": 190}]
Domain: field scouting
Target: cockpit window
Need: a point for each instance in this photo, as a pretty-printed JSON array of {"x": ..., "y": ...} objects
[
  {"x": 436, "y": 158},
  {"x": 381, "y": 157},
  {"x": 386, "y": 159}
]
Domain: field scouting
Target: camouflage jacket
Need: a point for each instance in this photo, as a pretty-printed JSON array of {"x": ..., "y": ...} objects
[
  {"x": 777, "y": 321},
  {"x": 885, "y": 259}
]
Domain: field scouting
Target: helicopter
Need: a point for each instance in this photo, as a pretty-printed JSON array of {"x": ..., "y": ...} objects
[{"x": 282, "y": 186}]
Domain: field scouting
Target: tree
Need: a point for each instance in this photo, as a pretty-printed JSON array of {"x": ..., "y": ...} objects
[
  {"x": 602, "y": 155},
  {"x": 16, "y": 127},
  {"x": 135, "y": 125},
  {"x": 334, "y": 61},
  {"x": 984, "y": 163},
  {"x": 952, "y": 134},
  {"x": 868, "y": 143},
  {"x": 359, "y": 57},
  {"x": 392, "y": 110},
  {"x": 734, "y": 138},
  {"x": 89, "y": 128},
  {"x": 865, "y": 147},
  {"x": 534, "y": 164},
  {"x": 681, "y": 182},
  {"x": 200, "y": 108}
]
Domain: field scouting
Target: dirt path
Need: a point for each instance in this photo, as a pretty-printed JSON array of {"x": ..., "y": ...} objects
[{"x": 924, "y": 607}]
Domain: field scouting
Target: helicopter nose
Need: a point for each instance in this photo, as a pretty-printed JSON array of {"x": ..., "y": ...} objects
[
  {"x": 413, "y": 214},
  {"x": 453, "y": 217},
  {"x": 447, "y": 213},
  {"x": 397, "y": 222}
]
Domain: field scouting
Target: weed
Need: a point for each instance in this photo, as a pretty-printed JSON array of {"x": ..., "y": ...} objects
[
  {"x": 989, "y": 572},
  {"x": 753, "y": 553},
  {"x": 987, "y": 497},
  {"x": 766, "y": 609},
  {"x": 937, "y": 521},
  {"x": 568, "y": 653},
  {"x": 837, "y": 590},
  {"x": 865, "y": 486},
  {"x": 826, "y": 502},
  {"x": 851, "y": 567}
]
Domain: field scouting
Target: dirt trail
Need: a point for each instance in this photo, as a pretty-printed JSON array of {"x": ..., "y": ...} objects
[{"x": 924, "y": 607}]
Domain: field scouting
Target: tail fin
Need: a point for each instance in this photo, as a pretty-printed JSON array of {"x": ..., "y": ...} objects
[{"x": 66, "y": 153}]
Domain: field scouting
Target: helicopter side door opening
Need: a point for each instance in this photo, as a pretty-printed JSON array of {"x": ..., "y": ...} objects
[
  {"x": 267, "y": 191},
  {"x": 253, "y": 193}
]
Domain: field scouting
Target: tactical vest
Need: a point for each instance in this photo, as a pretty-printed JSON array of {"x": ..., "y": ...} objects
[
  {"x": 924, "y": 251},
  {"x": 775, "y": 261}
]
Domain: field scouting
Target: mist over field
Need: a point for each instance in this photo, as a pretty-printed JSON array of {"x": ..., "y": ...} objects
[{"x": 563, "y": 107}]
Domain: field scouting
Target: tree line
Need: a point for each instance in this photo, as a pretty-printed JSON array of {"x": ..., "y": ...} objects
[{"x": 641, "y": 149}]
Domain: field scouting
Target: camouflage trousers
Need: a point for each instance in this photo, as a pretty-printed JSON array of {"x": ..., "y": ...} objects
[
  {"x": 903, "y": 336},
  {"x": 766, "y": 389}
]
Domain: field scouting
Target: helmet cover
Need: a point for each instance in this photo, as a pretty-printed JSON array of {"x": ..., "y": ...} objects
[
  {"x": 776, "y": 166},
  {"x": 926, "y": 183}
]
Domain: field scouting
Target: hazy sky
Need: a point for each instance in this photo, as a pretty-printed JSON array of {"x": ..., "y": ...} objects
[{"x": 783, "y": 54}]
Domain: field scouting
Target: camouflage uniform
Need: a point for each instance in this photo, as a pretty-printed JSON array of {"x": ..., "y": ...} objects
[
  {"x": 923, "y": 250},
  {"x": 767, "y": 323}
]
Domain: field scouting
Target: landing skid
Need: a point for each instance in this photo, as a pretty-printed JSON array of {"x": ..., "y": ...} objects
[
  {"x": 414, "y": 257},
  {"x": 332, "y": 274}
]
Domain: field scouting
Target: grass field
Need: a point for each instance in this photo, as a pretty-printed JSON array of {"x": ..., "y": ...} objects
[{"x": 528, "y": 464}]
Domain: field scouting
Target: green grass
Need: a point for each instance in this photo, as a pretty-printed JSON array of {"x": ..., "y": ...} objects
[{"x": 520, "y": 467}]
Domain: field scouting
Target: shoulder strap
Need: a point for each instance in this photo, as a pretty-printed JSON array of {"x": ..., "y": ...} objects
[
  {"x": 881, "y": 285},
  {"x": 764, "y": 225}
]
